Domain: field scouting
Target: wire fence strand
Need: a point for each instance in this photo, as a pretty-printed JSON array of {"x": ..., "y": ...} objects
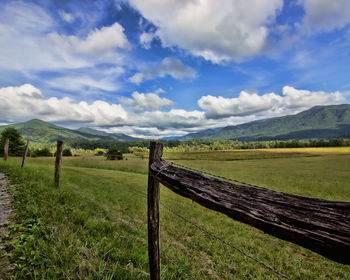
[
  {"x": 143, "y": 237},
  {"x": 225, "y": 242},
  {"x": 177, "y": 264},
  {"x": 197, "y": 226},
  {"x": 219, "y": 177}
]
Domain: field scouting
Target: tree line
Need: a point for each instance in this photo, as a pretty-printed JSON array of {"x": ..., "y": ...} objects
[{"x": 17, "y": 144}]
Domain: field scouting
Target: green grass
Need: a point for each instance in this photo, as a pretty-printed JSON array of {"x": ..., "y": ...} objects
[{"x": 94, "y": 227}]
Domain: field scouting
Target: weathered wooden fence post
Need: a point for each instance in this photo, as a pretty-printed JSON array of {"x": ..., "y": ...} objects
[
  {"x": 25, "y": 154},
  {"x": 6, "y": 148},
  {"x": 58, "y": 162},
  {"x": 155, "y": 153}
]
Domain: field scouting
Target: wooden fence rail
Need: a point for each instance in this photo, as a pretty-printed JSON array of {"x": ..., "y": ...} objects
[{"x": 320, "y": 225}]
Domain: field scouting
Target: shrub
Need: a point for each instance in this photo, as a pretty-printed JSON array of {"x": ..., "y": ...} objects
[
  {"x": 67, "y": 153},
  {"x": 45, "y": 152},
  {"x": 114, "y": 154}
]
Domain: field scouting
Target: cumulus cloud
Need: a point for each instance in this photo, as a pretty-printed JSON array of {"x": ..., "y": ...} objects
[
  {"x": 215, "y": 30},
  {"x": 26, "y": 102},
  {"x": 267, "y": 105},
  {"x": 98, "y": 41},
  {"x": 169, "y": 66},
  {"x": 148, "y": 101},
  {"x": 325, "y": 15}
]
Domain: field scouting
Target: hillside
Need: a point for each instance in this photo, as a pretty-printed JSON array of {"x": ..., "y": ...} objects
[
  {"x": 43, "y": 132},
  {"x": 318, "y": 122},
  {"x": 99, "y": 133}
]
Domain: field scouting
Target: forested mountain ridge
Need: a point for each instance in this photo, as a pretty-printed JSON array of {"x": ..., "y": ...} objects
[
  {"x": 43, "y": 132},
  {"x": 318, "y": 122}
]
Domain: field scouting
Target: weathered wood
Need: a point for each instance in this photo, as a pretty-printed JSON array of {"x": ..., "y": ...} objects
[
  {"x": 320, "y": 225},
  {"x": 58, "y": 163},
  {"x": 155, "y": 154},
  {"x": 25, "y": 154},
  {"x": 6, "y": 149}
]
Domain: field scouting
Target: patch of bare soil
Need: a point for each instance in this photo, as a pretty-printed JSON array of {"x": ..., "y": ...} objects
[{"x": 5, "y": 211}]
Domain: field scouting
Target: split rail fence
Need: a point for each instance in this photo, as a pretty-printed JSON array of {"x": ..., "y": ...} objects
[{"x": 320, "y": 225}]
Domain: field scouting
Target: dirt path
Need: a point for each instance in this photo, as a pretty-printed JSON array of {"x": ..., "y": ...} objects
[{"x": 5, "y": 211}]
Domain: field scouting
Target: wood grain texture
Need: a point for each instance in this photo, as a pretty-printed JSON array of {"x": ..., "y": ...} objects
[
  {"x": 153, "y": 193},
  {"x": 25, "y": 154},
  {"x": 58, "y": 163},
  {"x": 320, "y": 225},
  {"x": 6, "y": 149}
]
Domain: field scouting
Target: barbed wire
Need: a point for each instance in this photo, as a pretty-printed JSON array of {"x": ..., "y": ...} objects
[
  {"x": 143, "y": 237},
  {"x": 116, "y": 185},
  {"x": 210, "y": 174},
  {"x": 96, "y": 203},
  {"x": 223, "y": 241},
  {"x": 218, "y": 176},
  {"x": 199, "y": 227},
  {"x": 177, "y": 264}
]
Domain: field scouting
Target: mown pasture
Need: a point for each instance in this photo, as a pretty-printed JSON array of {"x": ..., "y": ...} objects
[{"x": 95, "y": 226}]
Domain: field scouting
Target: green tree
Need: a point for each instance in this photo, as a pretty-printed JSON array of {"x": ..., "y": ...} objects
[
  {"x": 45, "y": 152},
  {"x": 16, "y": 144},
  {"x": 67, "y": 153},
  {"x": 113, "y": 154}
]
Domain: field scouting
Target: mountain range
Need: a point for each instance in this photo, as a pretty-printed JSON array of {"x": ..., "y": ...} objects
[
  {"x": 43, "y": 132},
  {"x": 318, "y": 122}
]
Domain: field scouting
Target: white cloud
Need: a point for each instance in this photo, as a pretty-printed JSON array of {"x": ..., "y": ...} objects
[
  {"x": 89, "y": 63},
  {"x": 66, "y": 16},
  {"x": 146, "y": 40},
  {"x": 90, "y": 81},
  {"x": 146, "y": 132},
  {"x": 245, "y": 104},
  {"x": 149, "y": 101},
  {"x": 216, "y": 30},
  {"x": 29, "y": 44},
  {"x": 97, "y": 42},
  {"x": 23, "y": 28},
  {"x": 26, "y": 102},
  {"x": 169, "y": 66},
  {"x": 325, "y": 15},
  {"x": 267, "y": 105}
]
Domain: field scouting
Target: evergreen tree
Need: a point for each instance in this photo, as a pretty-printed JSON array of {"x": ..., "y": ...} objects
[{"x": 16, "y": 144}]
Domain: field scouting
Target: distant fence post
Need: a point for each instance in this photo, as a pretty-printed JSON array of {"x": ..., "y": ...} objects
[
  {"x": 58, "y": 163},
  {"x": 6, "y": 148},
  {"x": 155, "y": 153},
  {"x": 25, "y": 154}
]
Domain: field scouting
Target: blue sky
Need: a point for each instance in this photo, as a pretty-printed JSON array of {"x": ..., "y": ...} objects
[{"x": 163, "y": 68}]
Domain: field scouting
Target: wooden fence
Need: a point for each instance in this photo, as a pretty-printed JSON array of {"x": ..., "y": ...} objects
[
  {"x": 320, "y": 225},
  {"x": 58, "y": 161}
]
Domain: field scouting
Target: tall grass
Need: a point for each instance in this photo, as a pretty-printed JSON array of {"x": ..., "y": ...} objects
[{"x": 94, "y": 226}]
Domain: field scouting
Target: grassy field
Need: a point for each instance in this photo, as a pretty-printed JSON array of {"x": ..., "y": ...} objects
[{"x": 95, "y": 227}]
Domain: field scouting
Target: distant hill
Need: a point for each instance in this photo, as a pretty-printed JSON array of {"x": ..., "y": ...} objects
[
  {"x": 43, "y": 132},
  {"x": 318, "y": 122},
  {"x": 115, "y": 136}
]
